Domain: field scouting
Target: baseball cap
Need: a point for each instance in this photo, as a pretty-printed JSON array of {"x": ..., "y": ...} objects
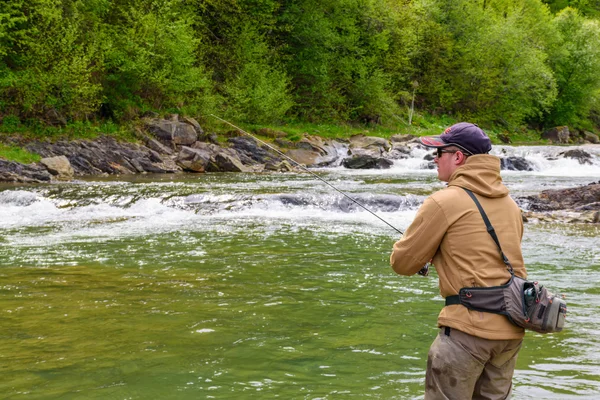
[{"x": 464, "y": 135}]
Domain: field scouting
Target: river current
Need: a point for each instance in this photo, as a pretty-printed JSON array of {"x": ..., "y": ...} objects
[{"x": 236, "y": 286}]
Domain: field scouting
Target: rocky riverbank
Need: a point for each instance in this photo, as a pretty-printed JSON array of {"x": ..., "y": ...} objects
[{"x": 181, "y": 145}]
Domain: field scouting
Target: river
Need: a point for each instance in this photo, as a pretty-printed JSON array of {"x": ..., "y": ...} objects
[{"x": 236, "y": 286}]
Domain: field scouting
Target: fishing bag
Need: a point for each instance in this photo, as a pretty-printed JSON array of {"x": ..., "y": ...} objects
[{"x": 526, "y": 304}]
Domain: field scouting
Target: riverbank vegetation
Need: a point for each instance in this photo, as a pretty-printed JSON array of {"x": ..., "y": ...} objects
[{"x": 78, "y": 68}]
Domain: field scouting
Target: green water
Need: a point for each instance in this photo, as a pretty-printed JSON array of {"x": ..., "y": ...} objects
[{"x": 134, "y": 291}]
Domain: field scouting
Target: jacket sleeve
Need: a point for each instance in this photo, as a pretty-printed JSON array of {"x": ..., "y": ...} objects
[{"x": 421, "y": 240}]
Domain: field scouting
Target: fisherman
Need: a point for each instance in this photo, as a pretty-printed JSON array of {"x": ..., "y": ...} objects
[{"x": 474, "y": 353}]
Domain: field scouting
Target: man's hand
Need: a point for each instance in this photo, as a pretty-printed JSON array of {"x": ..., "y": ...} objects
[{"x": 425, "y": 270}]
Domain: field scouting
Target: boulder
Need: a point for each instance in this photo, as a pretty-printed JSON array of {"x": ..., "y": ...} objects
[
  {"x": 195, "y": 124},
  {"x": 209, "y": 137},
  {"x": 195, "y": 160},
  {"x": 590, "y": 137},
  {"x": 401, "y": 138},
  {"x": 283, "y": 166},
  {"x": 158, "y": 146},
  {"x": 580, "y": 155},
  {"x": 399, "y": 151},
  {"x": 369, "y": 145},
  {"x": 173, "y": 132},
  {"x": 314, "y": 151},
  {"x": 221, "y": 159},
  {"x": 559, "y": 134},
  {"x": 303, "y": 156},
  {"x": 515, "y": 164},
  {"x": 580, "y": 198},
  {"x": 59, "y": 166},
  {"x": 251, "y": 152},
  {"x": 222, "y": 162},
  {"x": 366, "y": 162},
  {"x": 11, "y": 171}
]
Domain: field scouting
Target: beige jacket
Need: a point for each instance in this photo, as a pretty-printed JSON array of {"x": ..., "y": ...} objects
[{"x": 449, "y": 229}]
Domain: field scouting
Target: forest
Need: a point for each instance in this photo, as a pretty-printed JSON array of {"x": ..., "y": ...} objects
[{"x": 507, "y": 63}]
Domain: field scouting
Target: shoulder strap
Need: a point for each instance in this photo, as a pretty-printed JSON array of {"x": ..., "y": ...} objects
[{"x": 490, "y": 230}]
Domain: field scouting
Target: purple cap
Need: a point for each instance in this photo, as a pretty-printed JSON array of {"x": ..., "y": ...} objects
[{"x": 464, "y": 135}]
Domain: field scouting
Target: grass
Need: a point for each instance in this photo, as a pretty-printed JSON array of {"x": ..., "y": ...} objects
[
  {"x": 15, "y": 153},
  {"x": 422, "y": 125},
  {"x": 34, "y": 130}
]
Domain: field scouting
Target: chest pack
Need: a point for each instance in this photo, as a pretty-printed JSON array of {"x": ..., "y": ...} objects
[{"x": 526, "y": 303}]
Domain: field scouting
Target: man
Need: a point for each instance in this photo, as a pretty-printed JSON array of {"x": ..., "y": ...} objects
[{"x": 474, "y": 354}]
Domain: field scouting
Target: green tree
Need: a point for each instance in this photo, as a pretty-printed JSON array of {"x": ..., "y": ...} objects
[
  {"x": 492, "y": 68},
  {"x": 576, "y": 62},
  {"x": 334, "y": 53},
  {"x": 151, "y": 60},
  {"x": 47, "y": 68},
  {"x": 257, "y": 90}
]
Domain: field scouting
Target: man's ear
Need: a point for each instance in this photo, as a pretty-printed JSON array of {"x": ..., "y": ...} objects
[{"x": 461, "y": 158}]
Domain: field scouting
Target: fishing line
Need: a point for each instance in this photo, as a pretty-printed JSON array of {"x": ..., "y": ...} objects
[{"x": 310, "y": 172}]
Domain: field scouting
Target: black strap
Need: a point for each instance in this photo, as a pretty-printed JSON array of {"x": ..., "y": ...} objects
[
  {"x": 490, "y": 230},
  {"x": 452, "y": 300}
]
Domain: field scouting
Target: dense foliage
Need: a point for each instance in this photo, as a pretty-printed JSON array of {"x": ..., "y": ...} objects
[{"x": 507, "y": 62}]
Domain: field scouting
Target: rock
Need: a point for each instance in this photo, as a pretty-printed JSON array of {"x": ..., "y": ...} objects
[
  {"x": 399, "y": 151},
  {"x": 223, "y": 162},
  {"x": 366, "y": 162},
  {"x": 250, "y": 152},
  {"x": 580, "y": 155},
  {"x": 209, "y": 138},
  {"x": 401, "y": 138},
  {"x": 580, "y": 198},
  {"x": 105, "y": 155},
  {"x": 195, "y": 124},
  {"x": 157, "y": 146},
  {"x": 172, "y": 132},
  {"x": 196, "y": 160},
  {"x": 221, "y": 159},
  {"x": 283, "y": 166},
  {"x": 314, "y": 151},
  {"x": 11, "y": 171},
  {"x": 590, "y": 137},
  {"x": 303, "y": 156},
  {"x": 515, "y": 164},
  {"x": 559, "y": 134},
  {"x": 368, "y": 145},
  {"x": 59, "y": 166}
]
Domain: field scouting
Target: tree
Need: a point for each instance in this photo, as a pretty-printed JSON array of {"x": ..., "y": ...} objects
[
  {"x": 47, "y": 67},
  {"x": 334, "y": 53},
  {"x": 576, "y": 62},
  {"x": 151, "y": 60},
  {"x": 492, "y": 68}
]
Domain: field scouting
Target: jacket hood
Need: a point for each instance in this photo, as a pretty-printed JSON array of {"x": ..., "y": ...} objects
[{"x": 481, "y": 175}]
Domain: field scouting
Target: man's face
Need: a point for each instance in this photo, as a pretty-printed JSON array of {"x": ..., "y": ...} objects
[{"x": 446, "y": 160}]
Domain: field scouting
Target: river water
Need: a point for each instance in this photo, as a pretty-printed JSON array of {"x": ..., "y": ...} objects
[{"x": 235, "y": 286}]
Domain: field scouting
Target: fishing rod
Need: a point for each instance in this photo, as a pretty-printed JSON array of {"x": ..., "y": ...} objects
[{"x": 310, "y": 172}]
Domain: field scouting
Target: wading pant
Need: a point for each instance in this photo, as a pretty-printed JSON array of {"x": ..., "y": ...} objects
[{"x": 461, "y": 367}]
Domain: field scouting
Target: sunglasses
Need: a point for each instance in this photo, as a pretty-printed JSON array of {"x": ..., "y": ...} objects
[{"x": 440, "y": 152}]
